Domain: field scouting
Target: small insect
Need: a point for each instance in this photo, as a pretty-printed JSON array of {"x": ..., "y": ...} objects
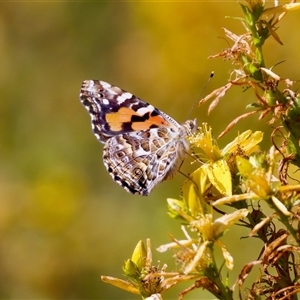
[{"x": 143, "y": 146}]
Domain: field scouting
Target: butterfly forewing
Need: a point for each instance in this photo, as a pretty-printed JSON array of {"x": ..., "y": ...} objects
[{"x": 114, "y": 111}]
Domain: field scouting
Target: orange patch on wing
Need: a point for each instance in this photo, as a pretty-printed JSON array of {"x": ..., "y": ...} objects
[
  {"x": 124, "y": 115},
  {"x": 136, "y": 126},
  {"x": 116, "y": 119},
  {"x": 115, "y": 127},
  {"x": 156, "y": 120}
]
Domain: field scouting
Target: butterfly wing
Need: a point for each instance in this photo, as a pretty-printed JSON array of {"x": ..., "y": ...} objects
[
  {"x": 114, "y": 111},
  {"x": 143, "y": 145},
  {"x": 138, "y": 161}
]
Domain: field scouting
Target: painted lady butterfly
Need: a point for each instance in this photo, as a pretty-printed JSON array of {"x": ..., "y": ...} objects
[{"x": 143, "y": 145}]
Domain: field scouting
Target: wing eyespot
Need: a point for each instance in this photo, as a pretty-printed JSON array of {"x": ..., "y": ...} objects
[{"x": 120, "y": 154}]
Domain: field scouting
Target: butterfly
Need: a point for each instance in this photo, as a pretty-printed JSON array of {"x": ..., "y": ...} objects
[{"x": 143, "y": 146}]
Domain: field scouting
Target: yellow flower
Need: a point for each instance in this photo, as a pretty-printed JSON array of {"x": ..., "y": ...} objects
[
  {"x": 218, "y": 166},
  {"x": 196, "y": 257},
  {"x": 142, "y": 278}
]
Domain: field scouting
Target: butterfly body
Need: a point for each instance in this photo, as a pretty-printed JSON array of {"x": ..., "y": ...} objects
[{"x": 143, "y": 145}]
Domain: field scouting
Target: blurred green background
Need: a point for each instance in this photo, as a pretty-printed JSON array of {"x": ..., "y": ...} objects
[{"x": 63, "y": 221}]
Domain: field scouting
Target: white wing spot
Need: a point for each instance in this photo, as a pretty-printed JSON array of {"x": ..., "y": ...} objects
[
  {"x": 91, "y": 87},
  {"x": 144, "y": 110},
  {"x": 124, "y": 97},
  {"x": 105, "y": 85},
  {"x": 105, "y": 102}
]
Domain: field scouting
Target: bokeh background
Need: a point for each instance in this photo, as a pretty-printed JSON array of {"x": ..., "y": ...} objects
[{"x": 63, "y": 221}]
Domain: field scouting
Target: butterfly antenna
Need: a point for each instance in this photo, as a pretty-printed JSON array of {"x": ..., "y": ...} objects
[{"x": 208, "y": 80}]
